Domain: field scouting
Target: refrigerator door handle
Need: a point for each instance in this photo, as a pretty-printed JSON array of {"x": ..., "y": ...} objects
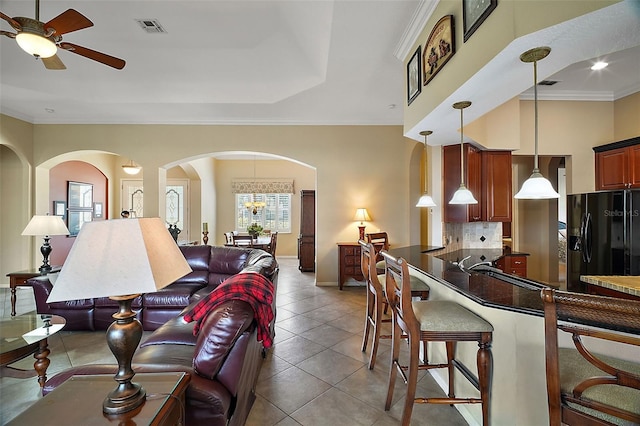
[{"x": 588, "y": 239}]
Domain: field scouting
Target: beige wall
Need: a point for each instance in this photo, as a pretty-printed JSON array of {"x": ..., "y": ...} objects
[
  {"x": 627, "y": 117},
  {"x": 509, "y": 21},
  {"x": 372, "y": 166}
]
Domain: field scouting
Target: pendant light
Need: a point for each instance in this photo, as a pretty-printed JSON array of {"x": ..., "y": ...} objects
[
  {"x": 254, "y": 206},
  {"x": 426, "y": 200},
  {"x": 537, "y": 187},
  {"x": 462, "y": 195},
  {"x": 131, "y": 168}
]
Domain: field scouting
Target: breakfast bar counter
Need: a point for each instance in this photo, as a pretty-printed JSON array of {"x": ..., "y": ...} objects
[{"x": 519, "y": 395}]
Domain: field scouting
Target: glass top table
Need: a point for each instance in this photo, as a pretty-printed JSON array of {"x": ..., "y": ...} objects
[{"x": 24, "y": 335}]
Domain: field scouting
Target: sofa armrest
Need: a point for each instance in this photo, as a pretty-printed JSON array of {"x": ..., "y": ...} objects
[{"x": 41, "y": 289}]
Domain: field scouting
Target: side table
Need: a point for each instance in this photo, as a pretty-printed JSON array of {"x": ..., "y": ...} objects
[
  {"x": 20, "y": 279},
  {"x": 349, "y": 263},
  {"x": 78, "y": 401}
]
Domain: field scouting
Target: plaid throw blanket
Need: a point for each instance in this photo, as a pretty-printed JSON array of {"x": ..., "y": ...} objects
[{"x": 250, "y": 287}]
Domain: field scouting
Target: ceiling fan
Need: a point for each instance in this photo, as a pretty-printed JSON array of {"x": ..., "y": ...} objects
[{"x": 42, "y": 40}]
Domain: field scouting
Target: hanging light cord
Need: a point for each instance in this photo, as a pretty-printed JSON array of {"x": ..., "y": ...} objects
[
  {"x": 461, "y": 148},
  {"x": 535, "y": 114}
]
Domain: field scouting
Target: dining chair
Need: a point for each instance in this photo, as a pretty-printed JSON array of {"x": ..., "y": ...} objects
[
  {"x": 228, "y": 238},
  {"x": 243, "y": 240},
  {"x": 271, "y": 248},
  {"x": 434, "y": 321}
]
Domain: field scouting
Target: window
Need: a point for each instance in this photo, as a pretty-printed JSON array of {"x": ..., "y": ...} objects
[{"x": 276, "y": 216}]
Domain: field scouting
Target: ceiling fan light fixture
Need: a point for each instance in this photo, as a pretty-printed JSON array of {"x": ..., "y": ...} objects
[{"x": 36, "y": 45}]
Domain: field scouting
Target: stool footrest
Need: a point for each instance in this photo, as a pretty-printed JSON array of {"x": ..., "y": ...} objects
[{"x": 448, "y": 400}]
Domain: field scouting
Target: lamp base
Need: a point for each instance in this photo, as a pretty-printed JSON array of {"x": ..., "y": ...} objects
[
  {"x": 45, "y": 249},
  {"x": 123, "y": 337},
  {"x": 361, "y": 230}
]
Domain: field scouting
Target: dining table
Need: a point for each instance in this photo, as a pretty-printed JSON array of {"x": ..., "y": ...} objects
[{"x": 262, "y": 242}]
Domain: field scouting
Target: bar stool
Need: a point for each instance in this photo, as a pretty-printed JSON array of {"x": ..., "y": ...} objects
[
  {"x": 377, "y": 301},
  {"x": 434, "y": 321}
]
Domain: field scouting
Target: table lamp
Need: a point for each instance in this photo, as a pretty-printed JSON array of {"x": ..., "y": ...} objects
[
  {"x": 120, "y": 259},
  {"x": 361, "y": 215},
  {"x": 46, "y": 226}
]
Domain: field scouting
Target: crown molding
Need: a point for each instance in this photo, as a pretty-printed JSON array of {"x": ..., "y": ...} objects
[{"x": 412, "y": 32}]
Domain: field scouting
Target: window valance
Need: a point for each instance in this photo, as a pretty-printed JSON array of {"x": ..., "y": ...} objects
[{"x": 262, "y": 186}]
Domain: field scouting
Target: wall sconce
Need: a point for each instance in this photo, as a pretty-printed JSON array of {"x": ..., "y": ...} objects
[
  {"x": 361, "y": 216},
  {"x": 462, "y": 195}
]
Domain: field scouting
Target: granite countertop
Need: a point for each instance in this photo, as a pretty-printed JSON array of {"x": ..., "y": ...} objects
[
  {"x": 521, "y": 295},
  {"x": 625, "y": 284}
]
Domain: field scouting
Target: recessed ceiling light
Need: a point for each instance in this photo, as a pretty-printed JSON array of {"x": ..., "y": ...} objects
[{"x": 599, "y": 65}]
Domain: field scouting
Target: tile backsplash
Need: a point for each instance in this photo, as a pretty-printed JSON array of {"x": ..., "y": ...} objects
[{"x": 472, "y": 235}]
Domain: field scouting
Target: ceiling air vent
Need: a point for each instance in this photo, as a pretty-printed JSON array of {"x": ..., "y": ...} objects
[
  {"x": 547, "y": 82},
  {"x": 151, "y": 25}
]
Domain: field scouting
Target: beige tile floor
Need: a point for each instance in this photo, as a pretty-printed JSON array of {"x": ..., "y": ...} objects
[{"x": 316, "y": 373}]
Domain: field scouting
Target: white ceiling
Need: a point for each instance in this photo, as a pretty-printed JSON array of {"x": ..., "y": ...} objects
[{"x": 286, "y": 62}]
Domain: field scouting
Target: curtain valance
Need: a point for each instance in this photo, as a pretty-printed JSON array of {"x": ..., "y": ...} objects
[{"x": 262, "y": 186}]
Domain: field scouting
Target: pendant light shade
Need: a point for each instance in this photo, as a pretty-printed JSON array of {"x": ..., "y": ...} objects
[
  {"x": 537, "y": 187},
  {"x": 462, "y": 195},
  {"x": 426, "y": 200},
  {"x": 131, "y": 168}
]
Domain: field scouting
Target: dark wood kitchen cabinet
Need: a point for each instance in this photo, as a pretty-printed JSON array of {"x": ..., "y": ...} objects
[
  {"x": 618, "y": 165},
  {"x": 487, "y": 176}
]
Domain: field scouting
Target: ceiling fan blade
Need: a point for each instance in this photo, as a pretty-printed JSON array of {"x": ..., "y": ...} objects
[
  {"x": 53, "y": 63},
  {"x": 8, "y": 34},
  {"x": 15, "y": 24},
  {"x": 109, "y": 60},
  {"x": 68, "y": 21}
]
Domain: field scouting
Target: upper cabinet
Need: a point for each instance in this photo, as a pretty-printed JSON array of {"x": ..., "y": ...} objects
[
  {"x": 618, "y": 165},
  {"x": 487, "y": 176}
]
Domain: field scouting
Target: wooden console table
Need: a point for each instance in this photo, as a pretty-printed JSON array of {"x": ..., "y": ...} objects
[
  {"x": 349, "y": 263},
  {"x": 20, "y": 279},
  {"x": 78, "y": 401}
]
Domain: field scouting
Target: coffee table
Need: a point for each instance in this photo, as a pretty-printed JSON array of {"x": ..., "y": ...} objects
[
  {"x": 78, "y": 401},
  {"x": 24, "y": 335}
]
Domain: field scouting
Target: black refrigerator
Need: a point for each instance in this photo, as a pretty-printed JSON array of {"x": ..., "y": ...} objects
[{"x": 603, "y": 235}]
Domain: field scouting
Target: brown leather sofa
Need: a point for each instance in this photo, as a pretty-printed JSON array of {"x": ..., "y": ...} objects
[
  {"x": 223, "y": 360},
  {"x": 211, "y": 265}
]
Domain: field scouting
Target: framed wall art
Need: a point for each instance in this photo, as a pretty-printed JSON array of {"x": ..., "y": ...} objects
[
  {"x": 474, "y": 12},
  {"x": 439, "y": 48},
  {"x": 60, "y": 209},
  {"x": 414, "y": 69},
  {"x": 97, "y": 210}
]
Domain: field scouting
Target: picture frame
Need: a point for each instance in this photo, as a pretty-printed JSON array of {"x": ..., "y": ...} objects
[
  {"x": 76, "y": 220},
  {"x": 414, "y": 74},
  {"x": 60, "y": 209},
  {"x": 97, "y": 210},
  {"x": 439, "y": 48},
  {"x": 474, "y": 12}
]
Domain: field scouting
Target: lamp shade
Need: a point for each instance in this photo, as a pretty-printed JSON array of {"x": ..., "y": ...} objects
[
  {"x": 117, "y": 258},
  {"x": 46, "y": 225},
  {"x": 131, "y": 168},
  {"x": 463, "y": 196},
  {"x": 537, "y": 187},
  {"x": 426, "y": 201},
  {"x": 362, "y": 215}
]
